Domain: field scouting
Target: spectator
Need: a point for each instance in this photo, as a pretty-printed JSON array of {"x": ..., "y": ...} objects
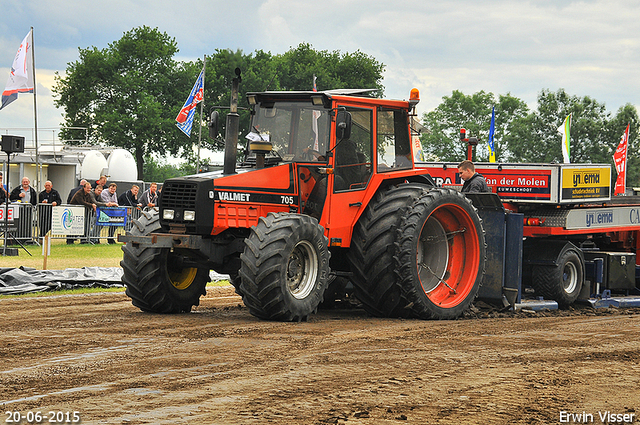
[
  {"x": 110, "y": 196},
  {"x": 149, "y": 198},
  {"x": 3, "y": 190},
  {"x": 83, "y": 197},
  {"x": 50, "y": 197},
  {"x": 473, "y": 182},
  {"x": 129, "y": 198},
  {"x": 74, "y": 190},
  {"x": 96, "y": 199},
  {"x": 102, "y": 181},
  {"x": 24, "y": 193}
]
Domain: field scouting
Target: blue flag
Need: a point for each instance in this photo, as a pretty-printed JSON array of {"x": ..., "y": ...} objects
[
  {"x": 188, "y": 111},
  {"x": 492, "y": 129}
]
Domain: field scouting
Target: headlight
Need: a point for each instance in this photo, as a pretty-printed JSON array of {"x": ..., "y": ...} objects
[
  {"x": 167, "y": 214},
  {"x": 189, "y": 215}
]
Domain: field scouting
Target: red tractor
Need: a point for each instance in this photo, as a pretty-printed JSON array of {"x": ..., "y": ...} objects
[{"x": 327, "y": 195}]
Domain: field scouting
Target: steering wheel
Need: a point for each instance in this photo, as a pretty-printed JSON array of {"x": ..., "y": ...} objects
[{"x": 309, "y": 154}]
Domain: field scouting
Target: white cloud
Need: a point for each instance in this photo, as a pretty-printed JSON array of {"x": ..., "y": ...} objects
[{"x": 589, "y": 48}]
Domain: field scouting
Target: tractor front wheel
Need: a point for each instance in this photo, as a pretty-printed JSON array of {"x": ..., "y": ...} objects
[
  {"x": 159, "y": 280},
  {"x": 284, "y": 267}
]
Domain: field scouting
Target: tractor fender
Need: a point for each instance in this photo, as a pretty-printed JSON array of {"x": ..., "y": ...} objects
[{"x": 547, "y": 251}]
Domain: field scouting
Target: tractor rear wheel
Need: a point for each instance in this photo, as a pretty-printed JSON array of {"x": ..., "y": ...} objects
[
  {"x": 284, "y": 267},
  {"x": 157, "y": 279},
  {"x": 441, "y": 254},
  {"x": 372, "y": 251}
]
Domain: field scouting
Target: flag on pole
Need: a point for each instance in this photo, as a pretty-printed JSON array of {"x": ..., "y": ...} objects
[
  {"x": 314, "y": 122},
  {"x": 620, "y": 160},
  {"x": 492, "y": 129},
  {"x": 188, "y": 111},
  {"x": 21, "y": 75},
  {"x": 564, "y": 129}
]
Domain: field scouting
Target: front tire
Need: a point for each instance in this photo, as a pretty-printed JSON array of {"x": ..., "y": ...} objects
[
  {"x": 155, "y": 278},
  {"x": 441, "y": 254},
  {"x": 284, "y": 267}
]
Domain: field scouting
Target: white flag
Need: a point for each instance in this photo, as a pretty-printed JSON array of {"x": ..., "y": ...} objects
[
  {"x": 565, "y": 130},
  {"x": 21, "y": 76}
]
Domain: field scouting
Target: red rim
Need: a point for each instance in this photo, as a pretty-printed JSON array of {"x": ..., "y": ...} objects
[{"x": 462, "y": 263}]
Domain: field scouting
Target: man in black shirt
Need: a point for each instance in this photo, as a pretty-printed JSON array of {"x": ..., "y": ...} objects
[
  {"x": 473, "y": 182},
  {"x": 49, "y": 198}
]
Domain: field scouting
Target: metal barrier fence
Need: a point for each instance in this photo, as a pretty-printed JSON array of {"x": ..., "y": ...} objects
[{"x": 34, "y": 222}]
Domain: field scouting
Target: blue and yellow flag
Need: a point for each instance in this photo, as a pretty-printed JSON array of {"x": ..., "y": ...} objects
[{"x": 492, "y": 130}]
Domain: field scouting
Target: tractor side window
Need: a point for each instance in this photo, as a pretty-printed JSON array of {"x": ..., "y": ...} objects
[
  {"x": 354, "y": 156},
  {"x": 393, "y": 144}
]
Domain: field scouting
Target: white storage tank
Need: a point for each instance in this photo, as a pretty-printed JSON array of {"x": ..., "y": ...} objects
[
  {"x": 122, "y": 166},
  {"x": 92, "y": 165}
]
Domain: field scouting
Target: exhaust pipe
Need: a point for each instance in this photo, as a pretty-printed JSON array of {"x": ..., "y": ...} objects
[{"x": 233, "y": 126}]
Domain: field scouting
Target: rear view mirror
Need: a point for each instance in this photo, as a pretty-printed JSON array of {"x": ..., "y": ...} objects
[
  {"x": 343, "y": 125},
  {"x": 213, "y": 124}
]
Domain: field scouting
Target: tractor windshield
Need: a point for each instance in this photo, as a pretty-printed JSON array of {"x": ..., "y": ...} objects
[{"x": 298, "y": 131}]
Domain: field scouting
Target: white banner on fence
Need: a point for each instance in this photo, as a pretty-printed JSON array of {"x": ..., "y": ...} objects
[
  {"x": 13, "y": 213},
  {"x": 67, "y": 220}
]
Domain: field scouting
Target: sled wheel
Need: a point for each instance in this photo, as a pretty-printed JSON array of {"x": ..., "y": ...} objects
[
  {"x": 156, "y": 279},
  {"x": 372, "y": 250},
  {"x": 234, "y": 280},
  {"x": 284, "y": 267},
  {"x": 441, "y": 254},
  {"x": 561, "y": 283}
]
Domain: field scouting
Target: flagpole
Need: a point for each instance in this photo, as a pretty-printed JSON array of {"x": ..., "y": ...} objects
[
  {"x": 35, "y": 114},
  {"x": 204, "y": 67}
]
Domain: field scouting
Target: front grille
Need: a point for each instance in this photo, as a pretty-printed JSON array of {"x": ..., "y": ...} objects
[{"x": 179, "y": 195}]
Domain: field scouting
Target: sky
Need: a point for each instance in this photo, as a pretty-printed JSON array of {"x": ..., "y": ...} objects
[{"x": 587, "y": 48}]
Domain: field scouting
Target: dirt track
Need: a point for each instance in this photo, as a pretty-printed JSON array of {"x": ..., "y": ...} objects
[{"x": 100, "y": 356}]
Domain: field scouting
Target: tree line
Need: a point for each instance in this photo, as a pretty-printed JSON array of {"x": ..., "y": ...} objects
[
  {"x": 129, "y": 94},
  {"x": 524, "y": 135}
]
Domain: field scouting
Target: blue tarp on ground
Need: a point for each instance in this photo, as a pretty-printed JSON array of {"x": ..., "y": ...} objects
[{"x": 25, "y": 279}]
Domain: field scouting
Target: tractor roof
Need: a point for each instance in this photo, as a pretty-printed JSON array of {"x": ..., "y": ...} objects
[
  {"x": 269, "y": 97},
  {"x": 299, "y": 95}
]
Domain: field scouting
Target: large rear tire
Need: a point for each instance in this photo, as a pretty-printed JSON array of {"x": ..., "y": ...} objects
[
  {"x": 372, "y": 251},
  {"x": 441, "y": 254},
  {"x": 155, "y": 278},
  {"x": 562, "y": 282},
  {"x": 284, "y": 267}
]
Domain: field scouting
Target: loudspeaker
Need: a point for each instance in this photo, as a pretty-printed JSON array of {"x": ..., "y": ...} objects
[{"x": 12, "y": 144}]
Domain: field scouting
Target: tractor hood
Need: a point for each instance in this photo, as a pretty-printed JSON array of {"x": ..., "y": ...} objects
[{"x": 187, "y": 203}]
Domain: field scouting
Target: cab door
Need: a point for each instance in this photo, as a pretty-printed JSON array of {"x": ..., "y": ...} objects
[{"x": 353, "y": 166}]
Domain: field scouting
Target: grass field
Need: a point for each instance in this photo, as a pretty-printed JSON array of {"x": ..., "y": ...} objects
[{"x": 65, "y": 256}]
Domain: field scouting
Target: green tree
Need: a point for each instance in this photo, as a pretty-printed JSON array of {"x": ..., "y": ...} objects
[
  {"x": 535, "y": 138},
  {"x": 473, "y": 113},
  {"x": 126, "y": 94},
  {"x": 333, "y": 70},
  {"x": 292, "y": 70},
  {"x": 159, "y": 171}
]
